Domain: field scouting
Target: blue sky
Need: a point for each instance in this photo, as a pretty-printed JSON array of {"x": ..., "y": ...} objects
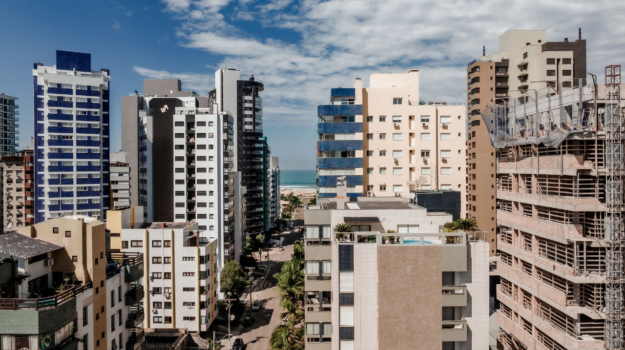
[{"x": 299, "y": 49}]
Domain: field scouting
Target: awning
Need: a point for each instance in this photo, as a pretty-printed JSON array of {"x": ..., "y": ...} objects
[{"x": 349, "y": 220}]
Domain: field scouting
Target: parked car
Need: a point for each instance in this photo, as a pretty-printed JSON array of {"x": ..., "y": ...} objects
[
  {"x": 249, "y": 320},
  {"x": 238, "y": 344},
  {"x": 256, "y": 306}
]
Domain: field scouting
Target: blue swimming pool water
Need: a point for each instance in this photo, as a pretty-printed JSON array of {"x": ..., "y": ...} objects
[{"x": 409, "y": 241}]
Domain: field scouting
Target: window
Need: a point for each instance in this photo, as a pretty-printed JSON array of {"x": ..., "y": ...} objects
[
  {"x": 445, "y": 136},
  {"x": 382, "y": 119},
  {"x": 397, "y": 100},
  {"x": 188, "y": 289},
  {"x": 136, "y": 244},
  {"x": 157, "y": 290},
  {"x": 396, "y": 119},
  {"x": 407, "y": 228},
  {"x": 398, "y": 137},
  {"x": 156, "y": 244},
  {"x": 382, "y": 136},
  {"x": 188, "y": 318},
  {"x": 167, "y": 243},
  {"x": 188, "y": 258},
  {"x": 157, "y": 305},
  {"x": 167, "y": 260},
  {"x": 113, "y": 298},
  {"x": 68, "y": 233},
  {"x": 382, "y": 170},
  {"x": 157, "y": 319},
  {"x": 168, "y": 305},
  {"x": 425, "y": 119},
  {"x": 312, "y": 267},
  {"x": 382, "y": 153},
  {"x": 446, "y": 154},
  {"x": 55, "y": 230},
  {"x": 113, "y": 323},
  {"x": 445, "y": 187},
  {"x": 566, "y": 73},
  {"x": 524, "y": 55},
  {"x": 425, "y": 154},
  {"x": 382, "y": 188},
  {"x": 369, "y": 136},
  {"x": 167, "y": 275},
  {"x": 85, "y": 315},
  {"x": 551, "y": 73},
  {"x": 445, "y": 119},
  {"x": 168, "y": 318},
  {"x": 188, "y": 303},
  {"x": 74, "y": 258},
  {"x": 566, "y": 61},
  {"x": 157, "y": 260},
  {"x": 397, "y": 154},
  {"x": 425, "y": 136},
  {"x": 369, "y": 119},
  {"x": 346, "y": 316},
  {"x": 397, "y": 171},
  {"x": 157, "y": 275},
  {"x": 398, "y": 188},
  {"x": 426, "y": 171},
  {"x": 446, "y": 171},
  {"x": 369, "y": 153},
  {"x": 346, "y": 282},
  {"x": 188, "y": 274},
  {"x": 551, "y": 61}
]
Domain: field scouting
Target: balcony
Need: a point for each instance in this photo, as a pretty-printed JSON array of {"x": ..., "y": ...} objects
[
  {"x": 454, "y": 296},
  {"x": 131, "y": 262},
  {"x": 135, "y": 317},
  {"x": 328, "y": 163},
  {"x": 339, "y": 145},
  {"x": 135, "y": 295},
  {"x": 455, "y": 330},
  {"x": 135, "y": 339}
]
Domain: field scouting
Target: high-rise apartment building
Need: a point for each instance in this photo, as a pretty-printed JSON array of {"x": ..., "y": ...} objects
[
  {"x": 185, "y": 155},
  {"x": 9, "y": 117},
  {"x": 525, "y": 63},
  {"x": 183, "y": 268},
  {"x": 71, "y": 293},
  {"x": 274, "y": 176},
  {"x": 242, "y": 100},
  {"x": 374, "y": 288},
  {"x": 340, "y": 145},
  {"x": 397, "y": 142},
  {"x": 120, "y": 181},
  {"x": 71, "y": 137},
  {"x": 19, "y": 189},
  {"x": 266, "y": 185},
  {"x": 560, "y": 214}
]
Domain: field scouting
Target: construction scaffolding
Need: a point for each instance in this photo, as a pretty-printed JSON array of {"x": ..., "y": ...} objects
[{"x": 614, "y": 209}]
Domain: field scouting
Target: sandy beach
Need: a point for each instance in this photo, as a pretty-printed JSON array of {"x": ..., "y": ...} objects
[{"x": 301, "y": 192}]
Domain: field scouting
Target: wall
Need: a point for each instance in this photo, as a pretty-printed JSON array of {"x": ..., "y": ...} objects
[{"x": 409, "y": 297}]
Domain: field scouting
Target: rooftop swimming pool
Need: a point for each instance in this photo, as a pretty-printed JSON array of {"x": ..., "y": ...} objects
[{"x": 414, "y": 241}]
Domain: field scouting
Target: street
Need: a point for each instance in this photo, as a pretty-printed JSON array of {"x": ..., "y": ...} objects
[{"x": 256, "y": 336}]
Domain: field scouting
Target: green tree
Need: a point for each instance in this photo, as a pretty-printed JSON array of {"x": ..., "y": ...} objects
[
  {"x": 466, "y": 224},
  {"x": 287, "y": 338},
  {"x": 298, "y": 252},
  {"x": 290, "y": 282},
  {"x": 295, "y": 201},
  {"x": 312, "y": 201},
  {"x": 233, "y": 280}
]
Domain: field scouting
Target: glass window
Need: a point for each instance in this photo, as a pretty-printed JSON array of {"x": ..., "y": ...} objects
[
  {"x": 426, "y": 171},
  {"x": 407, "y": 228},
  {"x": 397, "y": 154},
  {"x": 397, "y": 171},
  {"x": 425, "y": 136},
  {"x": 312, "y": 266},
  {"x": 398, "y": 137},
  {"x": 396, "y": 119},
  {"x": 398, "y": 188},
  {"x": 445, "y": 136},
  {"x": 397, "y": 100},
  {"x": 446, "y": 154},
  {"x": 446, "y": 119},
  {"x": 446, "y": 171}
]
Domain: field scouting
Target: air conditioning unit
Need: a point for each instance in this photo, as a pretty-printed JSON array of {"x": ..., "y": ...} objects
[
  {"x": 167, "y": 295},
  {"x": 396, "y": 125},
  {"x": 444, "y": 159},
  {"x": 425, "y": 160},
  {"x": 369, "y": 193},
  {"x": 48, "y": 262},
  {"x": 444, "y": 125}
]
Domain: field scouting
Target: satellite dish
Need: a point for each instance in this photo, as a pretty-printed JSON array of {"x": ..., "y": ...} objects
[
  {"x": 411, "y": 195},
  {"x": 9, "y": 225}
]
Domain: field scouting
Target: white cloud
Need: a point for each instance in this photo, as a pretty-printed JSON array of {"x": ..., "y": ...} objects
[
  {"x": 116, "y": 25},
  {"x": 200, "y": 83},
  {"x": 344, "y": 39}
]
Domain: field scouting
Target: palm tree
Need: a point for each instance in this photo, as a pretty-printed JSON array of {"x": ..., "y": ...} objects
[
  {"x": 290, "y": 282},
  {"x": 286, "y": 338},
  {"x": 465, "y": 224},
  {"x": 298, "y": 251}
]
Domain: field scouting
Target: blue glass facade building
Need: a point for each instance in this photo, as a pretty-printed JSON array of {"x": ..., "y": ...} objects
[
  {"x": 71, "y": 115},
  {"x": 340, "y": 145}
]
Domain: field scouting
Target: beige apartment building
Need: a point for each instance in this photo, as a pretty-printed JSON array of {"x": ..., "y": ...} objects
[
  {"x": 525, "y": 63},
  {"x": 18, "y": 200},
  {"x": 376, "y": 289},
  {"x": 409, "y": 144}
]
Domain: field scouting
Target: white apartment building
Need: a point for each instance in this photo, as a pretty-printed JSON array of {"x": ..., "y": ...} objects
[
  {"x": 120, "y": 181},
  {"x": 409, "y": 144},
  {"x": 274, "y": 188},
  {"x": 71, "y": 137},
  {"x": 182, "y": 266}
]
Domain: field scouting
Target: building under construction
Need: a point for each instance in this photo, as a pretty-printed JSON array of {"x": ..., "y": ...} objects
[{"x": 560, "y": 225}]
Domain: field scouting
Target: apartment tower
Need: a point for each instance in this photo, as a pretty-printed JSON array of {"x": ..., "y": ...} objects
[
  {"x": 19, "y": 189},
  {"x": 372, "y": 289},
  {"x": 242, "y": 100},
  {"x": 71, "y": 137},
  {"x": 559, "y": 213},
  {"x": 9, "y": 117},
  {"x": 120, "y": 181},
  {"x": 396, "y": 142},
  {"x": 526, "y": 62},
  {"x": 274, "y": 176}
]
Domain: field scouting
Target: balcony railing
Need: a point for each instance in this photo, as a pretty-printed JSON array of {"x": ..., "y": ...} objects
[
  {"x": 135, "y": 339},
  {"x": 39, "y": 303},
  {"x": 135, "y": 317},
  {"x": 135, "y": 295}
]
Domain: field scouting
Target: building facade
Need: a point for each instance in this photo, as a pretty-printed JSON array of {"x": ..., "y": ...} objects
[
  {"x": 274, "y": 176},
  {"x": 182, "y": 265},
  {"x": 71, "y": 290},
  {"x": 9, "y": 117},
  {"x": 242, "y": 100},
  {"x": 118, "y": 219},
  {"x": 71, "y": 137},
  {"x": 18, "y": 189},
  {"x": 525, "y": 64},
  {"x": 396, "y": 142},
  {"x": 340, "y": 145},
  {"x": 120, "y": 181},
  {"x": 369, "y": 289}
]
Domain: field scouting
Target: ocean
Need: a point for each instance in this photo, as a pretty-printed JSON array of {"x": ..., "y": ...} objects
[{"x": 298, "y": 179}]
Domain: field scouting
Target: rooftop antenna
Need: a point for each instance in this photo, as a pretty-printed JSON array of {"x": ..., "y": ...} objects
[
  {"x": 580, "y": 33},
  {"x": 484, "y": 50}
]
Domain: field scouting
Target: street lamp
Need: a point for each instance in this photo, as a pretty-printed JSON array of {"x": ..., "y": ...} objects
[{"x": 230, "y": 319}]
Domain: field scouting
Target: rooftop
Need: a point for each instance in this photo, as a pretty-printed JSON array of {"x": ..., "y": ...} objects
[
  {"x": 163, "y": 339},
  {"x": 24, "y": 247},
  {"x": 367, "y": 203},
  {"x": 172, "y": 225}
]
